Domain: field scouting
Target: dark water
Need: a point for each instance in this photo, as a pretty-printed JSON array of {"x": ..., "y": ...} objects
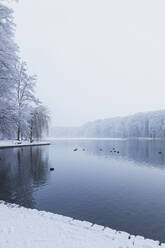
[{"x": 124, "y": 191}]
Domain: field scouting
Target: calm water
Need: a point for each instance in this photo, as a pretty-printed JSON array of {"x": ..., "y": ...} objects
[{"x": 124, "y": 191}]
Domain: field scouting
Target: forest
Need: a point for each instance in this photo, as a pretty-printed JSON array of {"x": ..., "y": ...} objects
[
  {"x": 22, "y": 115},
  {"x": 147, "y": 124}
]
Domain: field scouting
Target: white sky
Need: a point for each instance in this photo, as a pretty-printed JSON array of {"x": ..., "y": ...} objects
[{"x": 94, "y": 58}]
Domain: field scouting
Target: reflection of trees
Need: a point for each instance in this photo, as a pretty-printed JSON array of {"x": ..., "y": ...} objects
[
  {"x": 22, "y": 170},
  {"x": 38, "y": 166},
  {"x": 145, "y": 151}
]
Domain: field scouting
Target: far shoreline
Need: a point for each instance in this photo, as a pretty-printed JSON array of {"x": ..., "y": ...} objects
[{"x": 96, "y": 138}]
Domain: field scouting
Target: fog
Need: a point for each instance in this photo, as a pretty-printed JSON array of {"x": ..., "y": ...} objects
[{"x": 94, "y": 58}]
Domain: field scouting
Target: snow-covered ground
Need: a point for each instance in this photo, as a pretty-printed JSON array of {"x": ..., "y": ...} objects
[
  {"x": 27, "y": 228},
  {"x": 15, "y": 143}
]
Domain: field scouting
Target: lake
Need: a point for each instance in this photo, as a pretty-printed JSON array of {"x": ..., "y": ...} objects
[{"x": 124, "y": 191}]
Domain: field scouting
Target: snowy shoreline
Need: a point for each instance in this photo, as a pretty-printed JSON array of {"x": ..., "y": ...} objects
[
  {"x": 96, "y": 138},
  {"x": 85, "y": 138},
  {"x": 21, "y": 227},
  {"x": 14, "y": 143}
]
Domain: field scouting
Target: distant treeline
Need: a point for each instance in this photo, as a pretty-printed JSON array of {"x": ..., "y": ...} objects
[{"x": 149, "y": 124}]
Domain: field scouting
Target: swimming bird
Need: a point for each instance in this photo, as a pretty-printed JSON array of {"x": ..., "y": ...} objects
[
  {"x": 51, "y": 169},
  {"x": 75, "y": 150}
]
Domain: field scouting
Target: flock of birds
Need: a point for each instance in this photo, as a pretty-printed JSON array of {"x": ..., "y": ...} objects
[
  {"x": 113, "y": 150},
  {"x": 76, "y": 149}
]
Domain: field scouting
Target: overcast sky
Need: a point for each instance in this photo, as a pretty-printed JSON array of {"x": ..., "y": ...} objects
[{"x": 94, "y": 58}]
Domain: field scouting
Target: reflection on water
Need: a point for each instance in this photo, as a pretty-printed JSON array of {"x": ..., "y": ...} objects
[
  {"x": 21, "y": 171},
  {"x": 125, "y": 190},
  {"x": 142, "y": 151}
]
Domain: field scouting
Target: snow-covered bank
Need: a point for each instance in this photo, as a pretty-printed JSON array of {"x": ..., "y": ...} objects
[
  {"x": 14, "y": 143},
  {"x": 21, "y": 227}
]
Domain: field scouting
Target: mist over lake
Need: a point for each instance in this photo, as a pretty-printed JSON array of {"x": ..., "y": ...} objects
[{"x": 82, "y": 124}]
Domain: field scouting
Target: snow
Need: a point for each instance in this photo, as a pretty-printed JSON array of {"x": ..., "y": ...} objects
[
  {"x": 15, "y": 143},
  {"x": 27, "y": 228},
  {"x": 147, "y": 125}
]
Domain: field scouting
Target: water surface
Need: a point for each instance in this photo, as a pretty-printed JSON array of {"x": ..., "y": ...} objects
[{"x": 125, "y": 190}]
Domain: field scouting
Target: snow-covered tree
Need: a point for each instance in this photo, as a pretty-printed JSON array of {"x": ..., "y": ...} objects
[
  {"x": 39, "y": 122},
  {"x": 149, "y": 124},
  {"x": 24, "y": 97},
  {"x": 17, "y": 98},
  {"x": 8, "y": 60}
]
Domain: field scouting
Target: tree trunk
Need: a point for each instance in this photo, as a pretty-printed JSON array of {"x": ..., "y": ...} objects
[
  {"x": 19, "y": 134},
  {"x": 31, "y": 132}
]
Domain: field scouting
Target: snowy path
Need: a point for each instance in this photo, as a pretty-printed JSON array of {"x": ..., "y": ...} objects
[
  {"x": 26, "y": 228},
  {"x": 14, "y": 143}
]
